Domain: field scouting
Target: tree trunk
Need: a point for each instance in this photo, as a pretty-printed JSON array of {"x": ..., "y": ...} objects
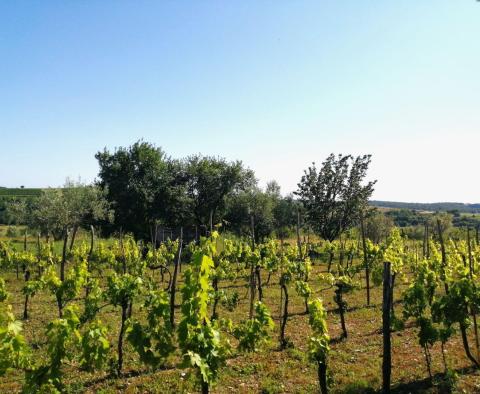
[
  {"x": 268, "y": 279},
  {"x": 259, "y": 283},
  {"x": 283, "y": 342},
  {"x": 205, "y": 388},
  {"x": 428, "y": 362},
  {"x": 322, "y": 377},
  {"x": 215, "y": 299},
  {"x": 466, "y": 346},
  {"x": 25, "y": 307},
  {"x": 64, "y": 255},
  {"x": 62, "y": 272},
  {"x": 445, "y": 366},
  {"x": 341, "y": 309},
  {"x": 120, "y": 339},
  {"x": 330, "y": 262},
  {"x": 39, "y": 250},
  {"x": 74, "y": 234}
]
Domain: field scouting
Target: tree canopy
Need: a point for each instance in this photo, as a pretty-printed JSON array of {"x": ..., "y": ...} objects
[
  {"x": 209, "y": 181},
  {"x": 55, "y": 211},
  {"x": 146, "y": 187},
  {"x": 140, "y": 183},
  {"x": 334, "y": 195}
]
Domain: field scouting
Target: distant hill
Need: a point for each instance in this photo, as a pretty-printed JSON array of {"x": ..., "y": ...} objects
[{"x": 435, "y": 206}]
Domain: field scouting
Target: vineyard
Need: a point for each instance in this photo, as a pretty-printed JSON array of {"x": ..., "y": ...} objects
[
  {"x": 254, "y": 197},
  {"x": 228, "y": 314}
]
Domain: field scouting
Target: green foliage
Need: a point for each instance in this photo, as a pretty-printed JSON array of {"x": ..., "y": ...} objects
[
  {"x": 153, "y": 341},
  {"x": 254, "y": 332},
  {"x": 54, "y": 210},
  {"x": 209, "y": 181},
  {"x": 394, "y": 251},
  {"x": 14, "y": 352},
  {"x": 252, "y": 203},
  {"x": 303, "y": 289},
  {"x": 95, "y": 346},
  {"x": 230, "y": 302},
  {"x": 198, "y": 339},
  {"x": 334, "y": 196},
  {"x": 71, "y": 287},
  {"x": 92, "y": 301},
  {"x": 32, "y": 287},
  {"x": 3, "y": 290},
  {"x": 122, "y": 288},
  {"x": 62, "y": 338},
  {"x": 318, "y": 343},
  {"x": 454, "y": 307},
  {"x": 12, "y": 232}
]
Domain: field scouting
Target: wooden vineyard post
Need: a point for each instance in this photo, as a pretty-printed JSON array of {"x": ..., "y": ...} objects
[
  {"x": 174, "y": 279},
  {"x": 365, "y": 259},
  {"x": 252, "y": 271},
  {"x": 444, "y": 254},
  {"x": 299, "y": 241},
  {"x": 387, "y": 351}
]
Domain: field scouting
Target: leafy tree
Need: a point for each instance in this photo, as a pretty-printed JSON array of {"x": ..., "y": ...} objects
[
  {"x": 334, "y": 195},
  {"x": 405, "y": 217},
  {"x": 141, "y": 184},
  {"x": 210, "y": 181},
  {"x": 285, "y": 215},
  {"x": 251, "y": 205},
  {"x": 377, "y": 226},
  {"x": 57, "y": 210}
]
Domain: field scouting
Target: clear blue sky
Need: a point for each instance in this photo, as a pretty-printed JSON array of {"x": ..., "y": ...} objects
[{"x": 277, "y": 84}]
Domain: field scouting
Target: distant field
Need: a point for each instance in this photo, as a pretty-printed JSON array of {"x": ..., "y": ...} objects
[
  {"x": 19, "y": 192},
  {"x": 428, "y": 207}
]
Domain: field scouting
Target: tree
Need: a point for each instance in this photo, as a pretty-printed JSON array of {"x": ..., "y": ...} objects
[
  {"x": 57, "y": 210},
  {"x": 247, "y": 205},
  {"x": 285, "y": 215},
  {"x": 377, "y": 225},
  {"x": 334, "y": 196},
  {"x": 210, "y": 181},
  {"x": 141, "y": 184}
]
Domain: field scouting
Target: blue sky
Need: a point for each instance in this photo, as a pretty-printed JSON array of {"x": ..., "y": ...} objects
[{"x": 277, "y": 84}]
